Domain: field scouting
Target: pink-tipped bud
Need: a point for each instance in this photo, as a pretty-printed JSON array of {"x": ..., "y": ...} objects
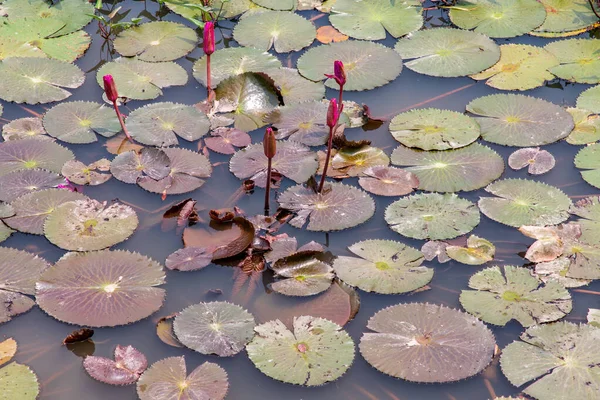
[
  {"x": 209, "y": 38},
  {"x": 269, "y": 143},
  {"x": 110, "y": 88},
  {"x": 339, "y": 74},
  {"x": 333, "y": 113}
]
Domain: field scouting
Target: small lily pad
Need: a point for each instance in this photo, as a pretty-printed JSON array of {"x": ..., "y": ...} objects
[
  {"x": 294, "y": 88},
  {"x": 304, "y": 123},
  {"x": 590, "y": 99},
  {"x": 302, "y": 274},
  {"x": 537, "y": 161},
  {"x": 225, "y": 140},
  {"x": 352, "y": 161},
  {"x": 92, "y": 174},
  {"x": 566, "y": 18},
  {"x": 587, "y": 160},
  {"x": 478, "y": 251},
  {"x": 579, "y": 61},
  {"x": 21, "y": 182},
  {"x": 125, "y": 369},
  {"x": 587, "y": 127},
  {"x": 131, "y": 166},
  {"x": 434, "y": 248},
  {"x": 18, "y": 381},
  {"x": 23, "y": 128},
  {"x": 388, "y": 181},
  {"x": 189, "y": 259}
]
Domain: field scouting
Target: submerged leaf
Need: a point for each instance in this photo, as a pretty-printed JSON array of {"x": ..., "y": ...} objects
[
  {"x": 537, "y": 161},
  {"x": 189, "y": 259},
  {"x": 127, "y": 367}
]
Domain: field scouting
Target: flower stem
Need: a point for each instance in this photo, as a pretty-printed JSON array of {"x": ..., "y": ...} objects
[
  {"x": 208, "y": 80},
  {"x": 329, "y": 146},
  {"x": 120, "y": 117},
  {"x": 268, "y": 188}
]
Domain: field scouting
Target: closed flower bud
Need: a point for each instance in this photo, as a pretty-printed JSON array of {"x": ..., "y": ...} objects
[
  {"x": 333, "y": 113},
  {"x": 110, "y": 88},
  {"x": 339, "y": 74},
  {"x": 209, "y": 38},
  {"x": 269, "y": 143}
]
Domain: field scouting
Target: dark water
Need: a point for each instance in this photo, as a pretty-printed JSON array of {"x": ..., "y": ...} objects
[{"x": 60, "y": 371}]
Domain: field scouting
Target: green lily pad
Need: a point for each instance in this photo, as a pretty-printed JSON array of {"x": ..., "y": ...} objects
[
  {"x": 590, "y": 99},
  {"x": 566, "y": 16},
  {"x": 191, "y": 8},
  {"x": 478, "y": 251},
  {"x": 422, "y": 342},
  {"x": 521, "y": 67},
  {"x": 352, "y": 161},
  {"x": 432, "y": 216},
  {"x": 587, "y": 160},
  {"x": 589, "y": 211},
  {"x": 93, "y": 174},
  {"x": 370, "y": 20},
  {"x": 303, "y": 273},
  {"x": 35, "y": 80},
  {"x": 18, "y": 381},
  {"x": 5, "y": 232},
  {"x": 517, "y": 120},
  {"x": 276, "y": 4},
  {"x": 23, "y": 128},
  {"x": 579, "y": 60},
  {"x": 497, "y": 19},
  {"x": 19, "y": 183},
  {"x": 368, "y": 65},
  {"x": 587, "y": 127},
  {"x": 388, "y": 181},
  {"x": 294, "y": 88},
  {"x": 156, "y": 41},
  {"x": 140, "y": 80},
  {"x": 131, "y": 166},
  {"x": 448, "y": 52},
  {"x": 434, "y": 129},
  {"x": 537, "y": 161},
  {"x": 499, "y": 297},
  {"x": 28, "y": 154},
  {"x": 317, "y": 351},
  {"x": 304, "y": 123},
  {"x": 73, "y": 14},
  {"x": 11, "y": 47}
]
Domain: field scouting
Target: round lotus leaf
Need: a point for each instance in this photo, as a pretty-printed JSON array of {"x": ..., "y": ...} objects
[
  {"x": 434, "y": 129},
  {"x": 37, "y": 80},
  {"x": 587, "y": 127},
  {"x": 168, "y": 379},
  {"x": 525, "y": 202},
  {"x": 189, "y": 259},
  {"x": 294, "y": 88},
  {"x": 28, "y": 154},
  {"x": 18, "y": 381},
  {"x": 317, "y": 351},
  {"x": 370, "y": 20},
  {"x": 587, "y": 160},
  {"x": 478, "y": 251},
  {"x": 557, "y": 270},
  {"x": 578, "y": 58},
  {"x": 302, "y": 274},
  {"x": 338, "y": 207},
  {"x": 428, "y": 343},
  {"x": 537, "y": 161},
  {"x": 125, "y": 369},
  {"x": 590, "y": 99},
  {"x": 522, "y": 121},
  {"x": 156, "y": 41},
  {"x": 498, "y": 19},
  {"x": 20, "y": 270},
  {"x": 368, "y": 65},
  {"x": 12, "y": 47},
  {"x": 119, "y": 288},
  {"x": 521, "y": 67},
  {"x": 432, "y": 216},
  {"x": 554, "y": 361},
  {"x": 18, "y": 183},
  {"x": 467, "y": 168},
  {"x": 73, "y": 14},
  {"x": 566, "y": 16},
  {"x": 276, "y": 4},
  {"x": 23, "y": 128},
  {"x": 589, "y": 211},
  {"x": 140, "y": 80},
  {"x": 448, "y": 52},
  {"x": 131, "y": 166},
  {"x": 225, "y": 63},
  {"x": 304, "y": 122},
  {"x": 388, "y": 181},
  {"x": 79, "y": 122},
  {"x": 92, "y": 174},
  {"x": 85, "y": 225}
]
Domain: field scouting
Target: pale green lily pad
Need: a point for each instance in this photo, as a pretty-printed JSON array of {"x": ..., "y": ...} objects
[
  {"x": 294, "y": 88},
  {"x": 18, "y": 381},
  {"x": 226, "y": 63},
  {"x": 191, "y": 8},
  {"x": 284, "y": 31},
  {"x": 593, "y": 317},
  {"x": 277, "y": 4},
  {"x": 588, "y": 160},
  {"x": 140, "y": 80},
  {"x": 37, "y": 80},
  {"x": 73, "y": 14},
  {"x": 383, "y": 266},
  {"x": 590, "y": 99},
  {"x": 579, "y": 59},
  {"x": 304, "y": 122},
  {"x": 156, "y": 41},
  {"x": 555, "y": 361},
  {"x": 517, "y": 120},
  {"x": 317, "y": 351},
  {"x": 432, "y": 216},
  {"x": 79, "y": 122},
  {"x": 159, "y": 124},
  {"x": 448, "y": 52},
  {"x": 10, "y": 47},
  {"x": 92, "y": 174},
  {"x": 388, "y": 181},
  {"x": 302, "y": 273},
  {"x": 478, "y": 251},
  {"x": 131, "y": 166},
  {"x": 557, "y": 270},
  {"x": 499, "y": 297},
  {"x": 352, "y": 161},
  {"x": 28, "y": 154},
  {"x": 85, "y": 225},
  {"x": 521, "y": 67},
  {"x": 537, "y": 161},
  {"x": 566, "y": 16},
  {"x": 434, "y": 129},
  {"x": 589, "y": 211},
  {"x": 587, "y": 127},
  {"x": 18, "y": 183},
  {"x": 368, "y": 65},
  {"x": 370, "y": 20},
  {"x": 23, "y": 128},
  {"x": 5, "y": 232},
  {"x": 467, "y": 168}
]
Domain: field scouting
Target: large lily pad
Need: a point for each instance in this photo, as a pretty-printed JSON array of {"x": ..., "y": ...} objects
[
  {"x": 432, "y": 216},
  {"x": 302, "y": 274},
  {"x": 478, "y": 251},
  {"x": 28, "y": 154},
  {"x": 587, "y": 127},
  {"x": 18, "y": 183},
  {"x": 388, "y": 181},
  {"x": 517, "y": 120},
  {"x": 317, "y": 351},
  {"x": 579, "y": 59},
  {"x": 294, "y": 88},
  {"x": 423, "y": 342},
  {"x": 590, "y": 99},
  {"x": 131, "y": 166},
  {"x": 566, "y": 17},
  {"x": 23, "y": 128},
  {"x": 448, "y": 52},
  {"x": 368, "y": 65},
  {"x": 18, "y": 381},
  {"x": 468, "y": 168},
  {"x": 587, "y": 160},
  {"x": 304, "y": 123},
  {"x": 74, "y": 14},
  {"x": 125, "y": 369},
  {"x": 10, "y": 47},
  {"x": 537, "y": 161},
  {"x": 101, "y": 288}
]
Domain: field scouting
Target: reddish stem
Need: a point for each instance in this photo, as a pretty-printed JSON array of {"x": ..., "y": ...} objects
[
  {"x": 268, "y": 188},
  {"x": 340, "y": 100},
  {"x": 329, "y": 146},
  {"x": 208, "y": 80},
  {"x": 120, "y": 117}
]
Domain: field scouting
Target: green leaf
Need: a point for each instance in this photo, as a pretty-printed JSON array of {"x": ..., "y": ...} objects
[
  {"x": 28, "y": 154},
  {"x": 478, "y": 251},
  {"x": 18, "y": 381},
  {"x": 294, "y": 87},
  {"x": 72, "y": 14},
  {"x": 579, "y": 60},
  {"x": 588, "y": 160},
  {"x": 590, "y": 99},
  {"x": 276, "y": 4},
  {"x": 304, "y": 122},
  {"x": 566, "y": 16},
  {"x": 23, "y": 128},
  {"x": 302, "y": 274},
  {"x": 587, "y": 127}
]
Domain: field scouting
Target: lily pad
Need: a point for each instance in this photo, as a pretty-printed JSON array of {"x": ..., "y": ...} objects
[
  {"x": 92, "y": 174},
  {"x": 434, "y": 248},
  {"x": 119, "y": 288},
  {"x": 579, "y": 60},
  {"x": 587, "y": 127},
  {"x": 467, "y": 168},
  {"x": 294, "y": 88},
  {"x": 368, "y": 65},
  {"x": 23, "y": 128},
  {"x": 352, "y": 161},
  {"x": 338, "y": 207},
  {"x": 19, "y": 183},
  {"x": 587, "y": 160},
  {"x": 225, "y": 140},
  {"x": 388, "y": 181},
  {"x": 593, "y": 317},
  {"x": 218, "y": 327},
  {"x": 448, "y": 52},
  {"x": 317, "y": 351},
  {"x": 590, "y": 99},
  {"x": 10, "y": 47},
  {"x": 276, "y": 4},
  {"x": 8, "y": 349},
  {"x": 18, "y": 381},
  {"x": 302, "y": 274},
  {"x": 304, "y": 122},
  {"x": 422, "y": 342},
  {"x": 74, "y": 14},
  {"x": 537, "y": 161},
  {"x": 131, "y": 166},
  {"x": 566, "y": 16},
  {"x": 28, "y": 154},
  {"x": 517, "y": 120},
  {"x": 557, "y": 270},
  {"x": 589, "y": 211},
  {"x": 478, "y": 251},
  {"x": 189, "y": 259},
  {"x": 432, "y": 216},
  {"x": 125, "y": 369}
]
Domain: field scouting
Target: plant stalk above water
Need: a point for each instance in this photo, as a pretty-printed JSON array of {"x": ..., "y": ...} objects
[
  {"x": 270, "y": 148},
  {"x": 209, "y": 48},
  {"x": 110, "y": 89}
]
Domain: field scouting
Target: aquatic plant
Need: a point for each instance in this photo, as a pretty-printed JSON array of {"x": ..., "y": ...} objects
[
  {"x": 110, "y": 89},
  {"x": 270, "y": 149},
  {"x": 333, "y": 116},
  {"x": 209, "y": 49}
]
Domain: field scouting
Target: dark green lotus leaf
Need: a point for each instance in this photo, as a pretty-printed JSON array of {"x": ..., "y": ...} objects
[
  {"x": 352, "y": 161},
  {"x": 432, "y": 216},
  {"x": 304, "y": 123},
  {"x": 554, "y": 361},
  {"x": 370, "y": 20},
  {"x": 119, "y": 288},
  {"x": 23, "y": 128},
  {"x": 37, "y": 80},
  {"x": 302, "y": 274},
  {"x": 521, "y": 67},
  {"x": 588, "y": 161},
  {"x": 590, "y": 99},
  {"x": 74, "y": 14},
  {"x": 125, "y": 369},
  {"x": 167, "y": 379},
  {"x": 388, "y": 181},
  {"x": 448, "y": 52},
  {"x": 537, "y": 161},
  {"x": 423, "y": 342},
  {"x": 566, "y": 17},
  {"x": 578, "y": 58},
  {"x": 93, "y": 174},
  {"x": 85, "y": 225},
  {"x": 587, "y": 127},
  {"x": 317, "y": 351},
  {"x": 156, "y": 41},
  {"x": 557, "y": 270},
  {"x": 226, "y": 63},
  {"x": 140, "y": 80},
  {"x": 18, "y": 183},
  {"x": 294, "y": 88},
  {"x": 189, "y": 259},
  {"x": 218, "y": 327},
  {"x": 79, "y": 122},
  {"x": 28, "y": 154},
  {"x": 276, "y": 4},
  {"x": 11, "y": 47},
  {"x": 225, "y": 140},
  {"x": 433, "y": 248},
  {"x": 338, "y": 207},
  {"x": 478, "y": 251},
  {"x": 522, "y": 121},
  {"x": 18, "y": 381},
  {"x": 157, "y": 124},
  {"x": 588, "y": 210},
  {"x": 131, "y": 166}
]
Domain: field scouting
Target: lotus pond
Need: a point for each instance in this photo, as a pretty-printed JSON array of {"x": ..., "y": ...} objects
[{"x": 452, "y": 252}]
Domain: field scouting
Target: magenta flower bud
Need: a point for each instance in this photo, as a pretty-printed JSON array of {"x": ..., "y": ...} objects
[
  {"x": 339, "y": 74},
  {"x": 110, "y": 88},
  {"x": 333, "y": 113},
  {"x": 269, "y": 143},
  {"x": 209, "y": 38}
]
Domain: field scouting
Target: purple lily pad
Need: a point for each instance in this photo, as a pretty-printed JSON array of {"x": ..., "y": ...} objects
[
  {"x": 225, "y": 140},
  {"x": 537, "y": 161},
  {"x": 18, "y": 183},
  {"x": 127, "y": 367},
  {"x": 189, "y": 259}
]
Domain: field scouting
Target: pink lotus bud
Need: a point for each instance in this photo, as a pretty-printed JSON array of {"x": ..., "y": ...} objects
[
  {"x": 209, "y": 38},
  {"x": 339, "y": 74},
  {"x": 110, "y": 88},
  {"x": 269, "y": 143},
  {"x": 333, "y": 113}
]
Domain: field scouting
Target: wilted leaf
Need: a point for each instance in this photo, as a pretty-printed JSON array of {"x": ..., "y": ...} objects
[
  {"x": 128, "y": 365},
  {"x": 78, "y": 335},
  {"x": 537, "y": 161},
  {"x": 478, "y": 251},
  {"x": 8, "y": 348},
  {"x": 327, "y": 34}
]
